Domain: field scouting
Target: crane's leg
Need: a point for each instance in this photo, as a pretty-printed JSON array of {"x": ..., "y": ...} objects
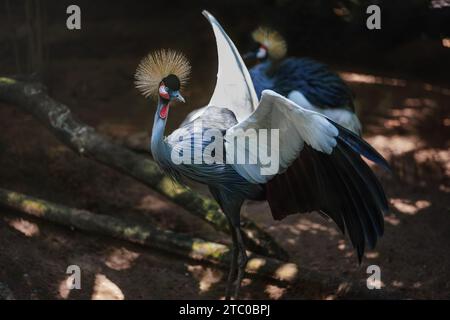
[
  {"x": 233, "y": 263},
  {"x": 231, "y": 207},
  {"x": 242, "y": 261}
]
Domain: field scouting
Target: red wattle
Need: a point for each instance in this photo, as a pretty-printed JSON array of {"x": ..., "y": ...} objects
[{"x": 164, "y": 111}]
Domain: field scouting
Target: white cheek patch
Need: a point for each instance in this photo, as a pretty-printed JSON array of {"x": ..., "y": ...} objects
[
  {"x": 261, "y": 53},
  {"x": 163, "y": 93}
]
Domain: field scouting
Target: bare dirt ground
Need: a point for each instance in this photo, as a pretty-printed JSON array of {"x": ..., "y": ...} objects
[{"x": 408, "y": 121}]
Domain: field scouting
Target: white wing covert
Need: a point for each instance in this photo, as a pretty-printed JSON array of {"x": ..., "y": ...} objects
[{"x": 295, "y": 125}]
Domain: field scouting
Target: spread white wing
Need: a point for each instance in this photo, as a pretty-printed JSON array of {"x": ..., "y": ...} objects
[
  {"x": 295, "y": 126},
  {"x": 234, "y": 88}
]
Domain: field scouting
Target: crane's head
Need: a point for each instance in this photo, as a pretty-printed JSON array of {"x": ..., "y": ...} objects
[
  {"x": 269, "y": 44},
  {"x": 163, "y": 74}
]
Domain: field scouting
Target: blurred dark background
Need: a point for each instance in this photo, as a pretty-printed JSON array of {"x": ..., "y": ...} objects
[
  {"x": 409, "y": 42},
  {"x": 400, "y": 75}
]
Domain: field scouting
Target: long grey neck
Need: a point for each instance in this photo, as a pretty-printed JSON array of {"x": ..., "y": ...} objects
[{"x": 158, "y": 146}]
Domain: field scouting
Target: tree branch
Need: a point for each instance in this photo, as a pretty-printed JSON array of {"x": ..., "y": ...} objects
[
  {"x": 180, "y": 244},
  {"x": 84, "y": 140}
]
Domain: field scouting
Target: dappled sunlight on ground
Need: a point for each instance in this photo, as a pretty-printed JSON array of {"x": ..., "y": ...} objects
[
  {"x": 395, "y": 145},
  {"x": 246, "y": 282},
  {"x": 411, "y": 132},
  {"x": 121, "y": 259},
  {"x": 441, "y": 157},
  {"x": 372, "y": 255},
  {"x": 392, "y": 219},
  {"x": 275, "y": 292},
  {"x": 206, "y": 277},
  {"x": 407, "y": 207},
  {"x": 446, "y": 42},
  {"x": 27, "y": 228},
  {"x": 64, "y": 290},
  {"x": 299, "y": 225},
  {"x": 254, "y": 264},
  {"x": 65, "y": 285},
  {"x": 314, "y": 228},
  {"x": 287, "y": 271},
  {"x": 416, "y": 102},
  {"x": 105, "y": 289}
]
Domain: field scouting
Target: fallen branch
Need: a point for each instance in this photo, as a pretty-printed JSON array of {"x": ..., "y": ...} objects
[
  {"x": 84, "y": 140},
  {"x": 181, "y": 244}
]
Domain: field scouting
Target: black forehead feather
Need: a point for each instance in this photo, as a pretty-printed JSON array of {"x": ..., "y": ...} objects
[{"x": 172, "y": 82}]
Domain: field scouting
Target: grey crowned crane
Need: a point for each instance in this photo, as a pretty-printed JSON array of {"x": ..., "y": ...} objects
[
  {"x": 305, "y": 81},
  {"x": 320, "y": 166}
]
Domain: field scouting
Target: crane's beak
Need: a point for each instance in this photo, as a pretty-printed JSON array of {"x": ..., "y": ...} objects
[{"x": 179, "y": 98}]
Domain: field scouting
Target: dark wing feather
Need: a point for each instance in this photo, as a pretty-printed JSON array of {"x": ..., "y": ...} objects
[
  {"x": 360, "y": 146},
  {"x": 322, "y": 87},
  {"x": 341, "y": 185}
]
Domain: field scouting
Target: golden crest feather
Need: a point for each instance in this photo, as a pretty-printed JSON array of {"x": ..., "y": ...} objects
[
  {"x": 275, "y": 43},
  {"x": 156, "y": 66}
]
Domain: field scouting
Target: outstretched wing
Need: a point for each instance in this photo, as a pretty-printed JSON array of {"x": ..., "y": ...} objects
[
  {"x": 234, "y": 88},
  {"x": 294, "y": 126},
  {"x": 319, "y": 168}
]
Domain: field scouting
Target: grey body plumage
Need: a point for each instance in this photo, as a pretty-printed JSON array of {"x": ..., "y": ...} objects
[{"x": 229, "y": 188}]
